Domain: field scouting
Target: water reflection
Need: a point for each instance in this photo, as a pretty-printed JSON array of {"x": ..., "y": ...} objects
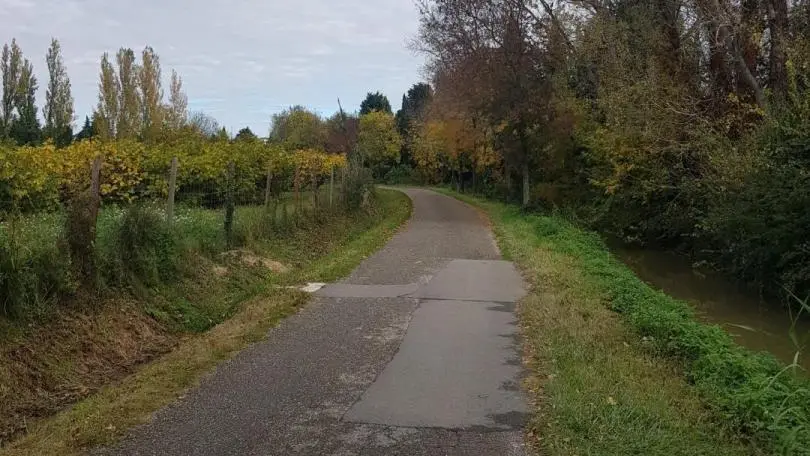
[{"x": 754, "y": 322}]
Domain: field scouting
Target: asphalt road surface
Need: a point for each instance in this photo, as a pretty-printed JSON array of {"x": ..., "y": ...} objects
[{"x": 415, "y": 353}]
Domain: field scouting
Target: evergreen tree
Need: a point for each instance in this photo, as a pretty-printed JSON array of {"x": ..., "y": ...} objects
[
  {"x": 375, "y": 102},
  {"x": 87, "y": 130},
  {"x": 245, "y": 134}
]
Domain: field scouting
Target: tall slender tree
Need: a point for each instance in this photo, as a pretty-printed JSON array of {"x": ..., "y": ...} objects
[
  {"x": 151, "y": 94},
  {"x": 129, "y": 99},
  {"x": 177, "y": 112},
  {"x": 10, "y": 64},
  {"x": 25, "y": 129},
  {"x": 107, "y": 112},
  {"x": 58, "y": 108}
]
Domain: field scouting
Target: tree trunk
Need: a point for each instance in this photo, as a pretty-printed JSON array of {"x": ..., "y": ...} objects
[
  {"x": 718, "y": 68},
  {"x": 526, "y": 184},
  {"x": 778, "y": 24}
]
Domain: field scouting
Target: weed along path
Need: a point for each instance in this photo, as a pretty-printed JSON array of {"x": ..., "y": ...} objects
[{"x": 415, "y": 353}]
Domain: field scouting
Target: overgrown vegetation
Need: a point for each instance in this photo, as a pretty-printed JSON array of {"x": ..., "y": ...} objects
[
  {"x": 674, "y": 124},
  {"x": 158, "y": 299},
  {"x": 600, "y": 395}
]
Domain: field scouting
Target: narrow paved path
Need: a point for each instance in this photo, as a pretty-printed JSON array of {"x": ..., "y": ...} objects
[{"x": 414, "y": 354}]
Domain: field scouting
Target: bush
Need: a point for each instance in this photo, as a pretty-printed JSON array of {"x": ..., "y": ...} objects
[
  {"x": 358, "y": 187},
  {"x": 34, "y": 269},
  {"x": 137, "y": 246},
  {"x": 401, "y": 174},
  {"x": 762, "y": 228}
]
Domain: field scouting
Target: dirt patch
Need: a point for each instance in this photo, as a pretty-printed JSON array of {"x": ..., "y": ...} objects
[
  {"x": 250, "y": 259},
  {"x": 57, "y": 363},
  {"x": 219, "y": 271}
]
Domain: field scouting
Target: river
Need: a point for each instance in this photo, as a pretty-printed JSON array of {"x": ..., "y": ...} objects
[{"x": 752, "y": 321}]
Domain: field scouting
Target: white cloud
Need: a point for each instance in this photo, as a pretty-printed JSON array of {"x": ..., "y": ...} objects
[{"x": 241, "y": 60}]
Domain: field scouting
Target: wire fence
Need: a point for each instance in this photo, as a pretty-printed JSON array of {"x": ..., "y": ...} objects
[{"x": 102, "y": 219}]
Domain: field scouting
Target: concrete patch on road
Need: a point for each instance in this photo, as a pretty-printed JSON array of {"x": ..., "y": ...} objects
[
  {"x": 475, "y": 280},
  {"x": 347, "y": 290},
  {"x": 452, "y": 371}
]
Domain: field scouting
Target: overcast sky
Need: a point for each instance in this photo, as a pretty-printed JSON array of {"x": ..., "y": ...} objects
[{"x": 240, "y": 60}]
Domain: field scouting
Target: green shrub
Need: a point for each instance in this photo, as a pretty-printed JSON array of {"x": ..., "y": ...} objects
[
  {"x": 35, "y": 267},
  {"x": 358, "y": 187},
  {"x": 401, "y": 174},
  {"x": 137, "y": 245}
]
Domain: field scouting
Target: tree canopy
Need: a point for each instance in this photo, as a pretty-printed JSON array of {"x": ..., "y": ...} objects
[
  {"x": 298, "y": 128},
  {"x": 378, "y": 141},
  {"x": 375, "y": 102}
]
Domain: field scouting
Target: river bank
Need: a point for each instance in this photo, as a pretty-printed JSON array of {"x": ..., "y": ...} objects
[
  {"x": 620, "y": 368},
  {"x": 759, "y": 323}
]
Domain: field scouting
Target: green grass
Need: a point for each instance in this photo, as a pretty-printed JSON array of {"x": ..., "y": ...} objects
[
  {"x": 620, "y": 368},
  {"x": 227, "y": 311}
]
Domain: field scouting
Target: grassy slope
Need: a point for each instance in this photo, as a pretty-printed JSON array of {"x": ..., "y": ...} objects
[
  {"x": 330, "y": 251},
  {"x": 597, "y": 387}
]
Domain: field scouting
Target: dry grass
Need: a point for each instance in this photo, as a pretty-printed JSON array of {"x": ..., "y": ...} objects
[
  {"x": 106, "y": 415},
  {"x": 71, "y": 356}
]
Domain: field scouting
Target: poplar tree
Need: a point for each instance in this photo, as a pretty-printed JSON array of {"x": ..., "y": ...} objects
[
  {"x": 58, "y": 108},
  {"x": 151, "y": 94},
  {"x": 129, "y": 99},
  {"x": 107, "y": 111}
]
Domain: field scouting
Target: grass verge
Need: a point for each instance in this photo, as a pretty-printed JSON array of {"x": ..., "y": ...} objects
[
  {"x": 619, "y": 368},
  {"x": 332, "y": 250}
]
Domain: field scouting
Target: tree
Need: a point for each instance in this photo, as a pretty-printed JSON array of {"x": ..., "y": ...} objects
[
  {"x": 222, "y": 135},
  {"x": 129, "y": 122},
  {"x": 58, "y": 109},
  {"x": 246, "y": 135},
  {"x": 375, "y": 102},
  {"x": 87, "y": 130},
  {"x": 177, "y": 111},
  {"x": 10, "y": 64},
  {"x": 204, "y": 124},
  {"x": 341, "y": 133},
  {"x": 151, "y": 95},
  {"x": 25, "y": 129},
  {"x": 492, "y": 55},
  {"x": 298, "y": 128},
  {"x": 414, "y": 104},
  {"x": 378, "y": 141},
  {"x": 107, "y": 111}
]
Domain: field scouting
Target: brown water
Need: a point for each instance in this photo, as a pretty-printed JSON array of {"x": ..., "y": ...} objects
[{"x": 752, "y": 321}]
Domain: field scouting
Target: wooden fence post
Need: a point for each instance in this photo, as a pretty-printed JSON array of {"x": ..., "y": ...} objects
[
  {"x": 95, "y": 180},
  {"x": 331, "y": 185},
  {"x": 82, "y": 216},
  {"x": 229, "y": 204},
  {"x": 267, "y": 189},
  {"x": 297, "y": 189},
  {"x": 315, "y": 201},
  {"x": 172, "y": 186}
]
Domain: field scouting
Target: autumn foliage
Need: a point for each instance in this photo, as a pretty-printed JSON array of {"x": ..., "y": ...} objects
[{"x": 39, "y": 177}]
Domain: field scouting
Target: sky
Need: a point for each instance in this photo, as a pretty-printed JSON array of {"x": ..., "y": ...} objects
[{"x": 240, "y": 60}]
